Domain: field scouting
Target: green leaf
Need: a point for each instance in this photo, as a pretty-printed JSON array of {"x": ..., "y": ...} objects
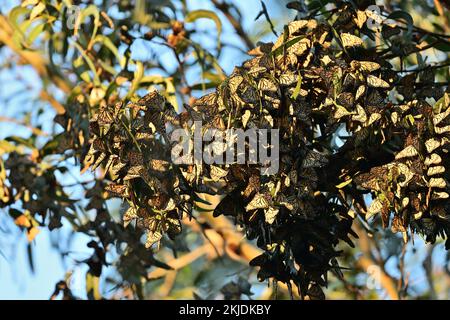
[
  {"x": 350, "y": 40},
  {"x": 6, "y": 147},
  {"x": 22, "y": 141},
  {"x": 198, "y": 14},
  {"x": 439, "y": 44},
  {"x": 89, "y": 62},
  {"x": 396, "y": 15},
  {"x": 286, "y": 45},
  {"x": 92, "y": 286},
  {"x": 343, "y": 184},
  {"x": 91, "y": 10},
  {"x": 317, "y": 4},
  {"x": 29, "y": 2},
  {"x": 110, "y": 45},
  {"x": 16, "y": 13},
  {"x": 34, "y": 33},
  {"x": 138, "y": 76},
  {"x": 297, "y": 87},
  {"x": 37, "y": 10}
]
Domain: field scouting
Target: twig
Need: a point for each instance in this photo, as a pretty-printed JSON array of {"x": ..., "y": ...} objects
[
  {"x": 428, "y": 267},
  {"x": 403, "y": 279},
  {"x": 266, "y": 14},
  {"x": 225, "y": 9}
]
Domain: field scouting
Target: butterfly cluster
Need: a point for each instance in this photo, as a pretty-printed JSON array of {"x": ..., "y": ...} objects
[
  {"x": 132, "y": 144},
  {"x": 413, "y": 186},
  {"x": 317, "y": 82},
  {"x": 42, "y": 196}
]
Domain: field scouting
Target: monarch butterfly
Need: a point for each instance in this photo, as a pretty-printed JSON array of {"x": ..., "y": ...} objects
[
  {"x": 252, "y": 63},
  {"x": 249, "y": 95},
  {"x": 376, "y": 82},
  {"x": 408, "y": 152},
  {"x": 246, "y": 117},
  {"x": 437, "y": 183},
  {"x": 435, "y": 170},
  {"x": 296, "y": 26},
  {"x": 153, "y": 99},
  {"x": 394, "y": 117},
  {"x": 105, "y": 117},
  {"x": 207, "y": 100},
  {"x": 300, "y": 47},
  {"x": 432, "y": 144},
  {"x": 143, "y": 136},
  {"x": 216, "y": 173},
  {"x": 441, "y": 116},
  {"x": 361, "y": 115},
  {"x": 397, "y": 225},
  {"x": 433, "y": 159},
  {"x": 346, "y": 99},
  {"x": 287, "y": 79},
  {"x": 152, "y": 238},
  {"x": 172, "y": 225},
  {"x": 270, "y": 214},
  {"x": 374, "y": 98},
  {"x": 314, "y": 159},
  {"x": 374, "y": 208},
  {"x": 360, "y": 91},
  {"x": 120, "y": 190},
  {"x": 373, "y": 117},
  {"x": 368, "y": 66},
  {"x": 261, "y": 49},
  {"x": 267, "y": 85},
  {"x": 257, "y": 70},
  {"x": 293, "y": 176},
  {"x": 116, "y": 168},
  {"x": 232, "y": 204},
  {"x": 439, "y": 195},
  {"x": 406, "y": 172},
  {"x": 441, "y": 130},
  {"x": 428, "y": 227},
  {"x": 134, "y": 172},
  {"x": 259, "y": 201},
  {"x": 159, "y": 165},
  {"x": 349, "y": 40},
  {"x": 234, "y": 83},
  {"x": 341, "y": 112},
  {"x": 135, "y": 158},
  {"x": 128, "y": 216}
]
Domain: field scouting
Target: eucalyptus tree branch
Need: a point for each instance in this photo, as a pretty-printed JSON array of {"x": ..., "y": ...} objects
[
  {"x": 367, "y": 260},
  {"x": 428, "y": 267}
]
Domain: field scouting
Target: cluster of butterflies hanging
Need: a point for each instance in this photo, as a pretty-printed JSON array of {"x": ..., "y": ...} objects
[{"x": 317, "y": 82}]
